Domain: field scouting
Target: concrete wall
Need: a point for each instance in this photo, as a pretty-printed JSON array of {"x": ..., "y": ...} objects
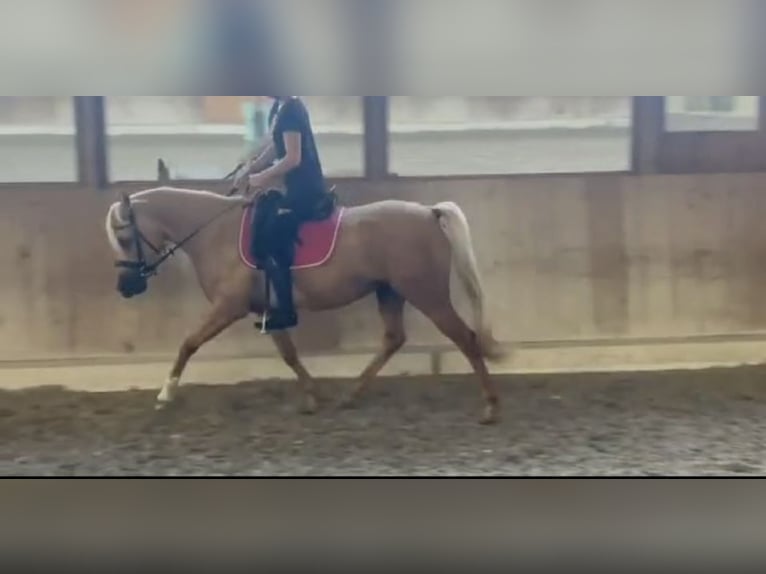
[{"x": 567, "y": 259}]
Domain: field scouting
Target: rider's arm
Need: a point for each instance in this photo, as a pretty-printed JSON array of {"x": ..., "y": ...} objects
[
  {"x": 284, "y": 166},
  {"x": 263, "y": 158}
]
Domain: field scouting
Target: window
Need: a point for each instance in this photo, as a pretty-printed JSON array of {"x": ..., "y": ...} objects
[
  {"x": 703, "y": 134},
  {"x": 203, "y": 137},
  {"x": 711, "y": 113},
  {"x": 37, "y": 139},
  {"x": 484, "y": 135}
]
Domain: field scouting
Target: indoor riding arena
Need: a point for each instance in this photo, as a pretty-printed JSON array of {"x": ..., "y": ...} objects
[{"x": 622, "y": 245}]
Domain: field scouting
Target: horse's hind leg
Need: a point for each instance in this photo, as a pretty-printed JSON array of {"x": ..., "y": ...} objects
[
  {"x": 289, "y": 353},
  {"x": 218, "y": 320},
  {"x": 450, "y": 323},
  {"x": 391, "y": 307},
  {"x": 437, "y": 306}
]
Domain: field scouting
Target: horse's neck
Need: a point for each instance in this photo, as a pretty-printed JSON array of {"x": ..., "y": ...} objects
[
  {"x": 184, "y": 214},
  {"x": 179, "y": 212}
]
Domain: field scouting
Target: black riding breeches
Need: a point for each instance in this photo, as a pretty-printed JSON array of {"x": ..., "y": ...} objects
[{"x": 275, "y": 230}]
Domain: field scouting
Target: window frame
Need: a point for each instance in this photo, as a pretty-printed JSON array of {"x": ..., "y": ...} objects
[
  {"x": 69, "y": 131},
  {"x": 91, "y": 141},
  {"x": 654, "y": 149},
  {"x": 373, "y": 125},
  {"x": 658, "y": 150}
]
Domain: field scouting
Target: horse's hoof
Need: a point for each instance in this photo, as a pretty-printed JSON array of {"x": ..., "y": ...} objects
[
  {"x": 491, "y": 416},
  {"x": 162, "y": 406},
  {"x": 349, "y": 403},
  {"x": 310, "y": 407}
]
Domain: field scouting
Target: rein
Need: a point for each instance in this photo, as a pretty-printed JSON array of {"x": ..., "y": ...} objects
[{"x": 141, "y": 266}]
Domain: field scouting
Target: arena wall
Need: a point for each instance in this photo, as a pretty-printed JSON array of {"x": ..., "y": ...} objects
[{"x": 582, "y": 271}]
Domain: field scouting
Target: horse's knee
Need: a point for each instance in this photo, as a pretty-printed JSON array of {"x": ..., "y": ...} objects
[
  {"x": 471, "y": 345},
  {"x": 394, "y": 341},
  {"x": 189, "y": 348}
]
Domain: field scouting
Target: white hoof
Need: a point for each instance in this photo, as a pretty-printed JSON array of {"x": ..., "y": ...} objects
[
  {"x": 161, "y": 406},
  {"x": 167, "y": 395}
]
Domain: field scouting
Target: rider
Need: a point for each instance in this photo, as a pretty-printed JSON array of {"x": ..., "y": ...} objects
[{"x": 291, "y": 156}]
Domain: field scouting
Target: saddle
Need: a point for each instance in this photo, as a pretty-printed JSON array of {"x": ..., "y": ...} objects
[
  {"x": 325, "y": 208},
  {"x": 301, "y": 241}
]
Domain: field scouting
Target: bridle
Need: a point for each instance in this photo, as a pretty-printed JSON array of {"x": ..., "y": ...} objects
[{"x": 141, "y": 266}]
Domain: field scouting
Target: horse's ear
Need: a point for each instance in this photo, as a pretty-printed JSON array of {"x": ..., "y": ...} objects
[
  {"x": 124, "y": 212},
  {"x": 163, "y": 173}
]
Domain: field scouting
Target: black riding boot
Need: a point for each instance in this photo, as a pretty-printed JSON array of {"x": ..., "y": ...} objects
[{"x": 284, "y": 316}]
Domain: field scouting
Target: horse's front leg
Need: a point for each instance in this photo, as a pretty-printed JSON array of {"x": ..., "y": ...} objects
[
  {"x": 222, "y": 316},
  {"x": 289, "y": 353}
]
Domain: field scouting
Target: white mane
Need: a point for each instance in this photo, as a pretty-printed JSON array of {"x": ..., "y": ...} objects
[
  {"x": 177, "y": 190},
  {"x": 112, "y": 215}
]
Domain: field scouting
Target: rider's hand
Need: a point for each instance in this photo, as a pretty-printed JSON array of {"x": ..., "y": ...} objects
[
  {"x": 240, "y": 185},
  {"x": 240, "y": 179},
  {"x": 258, "y": 182}
]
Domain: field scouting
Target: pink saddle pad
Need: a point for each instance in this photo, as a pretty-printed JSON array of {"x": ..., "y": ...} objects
[{"x": 317, "y": 244}]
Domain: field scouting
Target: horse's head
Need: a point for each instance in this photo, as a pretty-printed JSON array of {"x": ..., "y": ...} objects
[{"x": 138, "y": 242}]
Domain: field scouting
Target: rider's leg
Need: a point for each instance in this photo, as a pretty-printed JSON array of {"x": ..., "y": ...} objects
[
  {"x": 266, "y": 212},
  {"x": 284, "y": 316},
  {"x": 278, "y": 270}
]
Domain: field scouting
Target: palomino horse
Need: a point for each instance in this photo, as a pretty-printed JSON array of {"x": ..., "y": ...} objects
[{"x": 401, "y": 251}]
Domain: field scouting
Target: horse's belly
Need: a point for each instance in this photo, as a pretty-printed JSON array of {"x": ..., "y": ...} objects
[{"x": 329, "y": 287}]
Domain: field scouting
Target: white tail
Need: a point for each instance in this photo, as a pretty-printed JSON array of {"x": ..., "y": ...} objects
[{"x": 455, "y": 226}]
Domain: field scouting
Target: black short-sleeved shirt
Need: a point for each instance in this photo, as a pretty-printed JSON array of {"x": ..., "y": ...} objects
[{"x": 305, "y": 184}]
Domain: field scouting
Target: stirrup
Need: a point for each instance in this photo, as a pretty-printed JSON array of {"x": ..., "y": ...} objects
[
  {"x": 261, "y": 326},
  {"x": 265, "y": 328}
]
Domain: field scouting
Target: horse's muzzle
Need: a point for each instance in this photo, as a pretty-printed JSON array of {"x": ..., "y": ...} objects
[{"x": 132, "y": 284}]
